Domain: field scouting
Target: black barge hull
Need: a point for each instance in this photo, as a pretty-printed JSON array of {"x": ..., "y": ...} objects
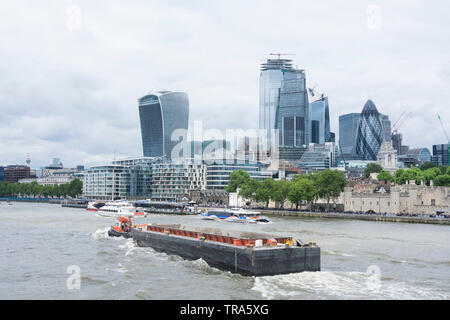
[{"x": 248, "y": 261}]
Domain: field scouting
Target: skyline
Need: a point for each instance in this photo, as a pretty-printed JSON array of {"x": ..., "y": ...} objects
[{"x": 71, "y": 90}]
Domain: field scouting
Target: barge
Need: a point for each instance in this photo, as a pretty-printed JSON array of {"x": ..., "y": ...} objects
[{"x": 248, "y": 254}]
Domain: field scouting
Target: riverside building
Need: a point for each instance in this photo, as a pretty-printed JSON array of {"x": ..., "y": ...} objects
[
  {"x": 172, "y": 179},
  {"x": 218, "y": 172},
  {"x": 106, "y": 182}
]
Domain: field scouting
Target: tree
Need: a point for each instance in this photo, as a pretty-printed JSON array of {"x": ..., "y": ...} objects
[
  {"x": 237, "y": 179},
  {"x": 427, "y": 165},
  {"x": 430, "y": 174},
  {"x": 443, "y": 169},
  {"x": 248, "y": 189},
  {"x": 443, "y": 180},
  {"x": 302, "y": 189},
  {"x": 75, "y": 188},
  {"x": 281, "y": 191},
  {"x": 371, "y": 168},
  {"x": 330, "y": 184},
  {"x": 264, "y": 191},
  {"x": 385, "y": 176}
]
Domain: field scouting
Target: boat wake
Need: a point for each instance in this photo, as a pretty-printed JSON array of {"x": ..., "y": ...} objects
[
  {"x": 101, "y": 233},
  {"x": 339, "y": 285}
]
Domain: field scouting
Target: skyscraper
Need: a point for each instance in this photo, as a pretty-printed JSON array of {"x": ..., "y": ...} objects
[
  {"x": 348, "y": 125},
  {"x": 320, "y": 121},
  {"x": 283, "y": 102},
  {"x": 161, "y": 113},
  {"x": 369, "y": 135}
]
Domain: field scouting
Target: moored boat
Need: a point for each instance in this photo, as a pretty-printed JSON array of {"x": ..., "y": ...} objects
[
  {"x": 238, "y": 215},
  {"x": 95, "y": 205}
]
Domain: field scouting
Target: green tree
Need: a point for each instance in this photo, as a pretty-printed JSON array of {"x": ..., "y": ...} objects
[
  {"x": 265, "y": 190},
  {"x": 75, "y": 188},
  {"x": 427, "y": 165},
  {"x": 281, "y": 191},
  {"x": 385, "y": 176},
  {"x": 248, "y": 189},
  {"x": 237, "y": 179},
  {"x": 330, "y": 184},
  {"x": 371, "y": 168},
  {"x": 443, "y": 169},
  {"x": 302, "y": 190},
  {"x": 443, "y": 180}
]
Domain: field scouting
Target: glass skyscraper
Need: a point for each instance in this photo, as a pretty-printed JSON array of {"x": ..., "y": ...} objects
[
  {"x": 283, "y": 102},
  {"x": 161, "y": 113},
  {"x": 320, "y": 121},
  {"x": 348, "y": 124},
  {"x": 369, "y": 135}
]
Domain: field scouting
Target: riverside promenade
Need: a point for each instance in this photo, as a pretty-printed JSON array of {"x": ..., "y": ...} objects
[{"x": 354, "y": 216}]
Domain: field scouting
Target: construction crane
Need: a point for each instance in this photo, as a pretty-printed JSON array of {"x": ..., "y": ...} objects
[
  {"x": 400, "y": 121},
  {"x": 448, "y": 140}
]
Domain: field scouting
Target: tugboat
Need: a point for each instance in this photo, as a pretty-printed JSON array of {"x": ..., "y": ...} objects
[{"x": 122, "y": 228}]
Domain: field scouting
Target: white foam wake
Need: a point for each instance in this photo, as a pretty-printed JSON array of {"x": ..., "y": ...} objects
[
  {"x": 101, "y": 233},
  {"x": 338, "y": 285}
]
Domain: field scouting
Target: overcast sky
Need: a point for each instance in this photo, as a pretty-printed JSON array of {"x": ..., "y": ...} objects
[{"x": 71, "y": 71}]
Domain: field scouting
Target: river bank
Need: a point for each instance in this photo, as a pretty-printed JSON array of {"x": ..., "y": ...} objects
[{"x": 365, "y": 217}]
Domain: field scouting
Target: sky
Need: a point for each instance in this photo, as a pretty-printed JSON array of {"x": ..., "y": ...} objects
[{"x": 71, "y": 72}]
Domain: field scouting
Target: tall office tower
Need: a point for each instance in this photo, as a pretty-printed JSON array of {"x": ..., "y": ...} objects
[
  {"x": 348, "y": 124},
  {"x": 441, "y": 154},
  {"x": 386, "y": 123},
  {"x": 283, "y": 102},
  {"x": 369, "y": 135},
  {"x": 161, "y": 113},
  {"x": 320, "y": 121},
  {"x": 397, "y": 142}
]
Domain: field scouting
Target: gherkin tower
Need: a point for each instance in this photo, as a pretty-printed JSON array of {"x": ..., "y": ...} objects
[{"x": 369, "y": 134}]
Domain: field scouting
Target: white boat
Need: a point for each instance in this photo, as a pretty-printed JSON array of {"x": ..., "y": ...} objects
[
  {"x": 236, "y": 215},
  {"x": 119, "y": 208},
  {"x": 94, "y": 205}
]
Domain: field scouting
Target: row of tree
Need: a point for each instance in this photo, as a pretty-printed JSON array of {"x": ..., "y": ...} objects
[
  {"x": 33, "y": 189},
  {"x": 307, "y": 188},
  {"x": 439, "y": 175}
]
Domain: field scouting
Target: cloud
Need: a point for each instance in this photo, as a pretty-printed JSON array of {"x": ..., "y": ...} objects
[{"x": 72, "y": 92}]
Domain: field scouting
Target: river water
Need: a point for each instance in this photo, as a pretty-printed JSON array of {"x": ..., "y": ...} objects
[{"x": 45, "y": 247}]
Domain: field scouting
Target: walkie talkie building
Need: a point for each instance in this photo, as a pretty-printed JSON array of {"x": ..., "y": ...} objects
[
  {"x": 369, "y": 135},
  {"x": 161, "y": 113}
]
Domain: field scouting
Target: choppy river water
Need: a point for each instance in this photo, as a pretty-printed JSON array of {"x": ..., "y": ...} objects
[{"x": 44, "y": 246}]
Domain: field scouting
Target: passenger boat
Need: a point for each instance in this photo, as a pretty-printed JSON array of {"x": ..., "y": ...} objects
[
  {"x": 165, "y": 207},
  {"x": 94, "y": 205},
  {"x": 120, "y": 208},
  {"x": 238, "y": 215},
  {"x": 122, "y": 228},
  {"x": 75, "y": 203}
]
